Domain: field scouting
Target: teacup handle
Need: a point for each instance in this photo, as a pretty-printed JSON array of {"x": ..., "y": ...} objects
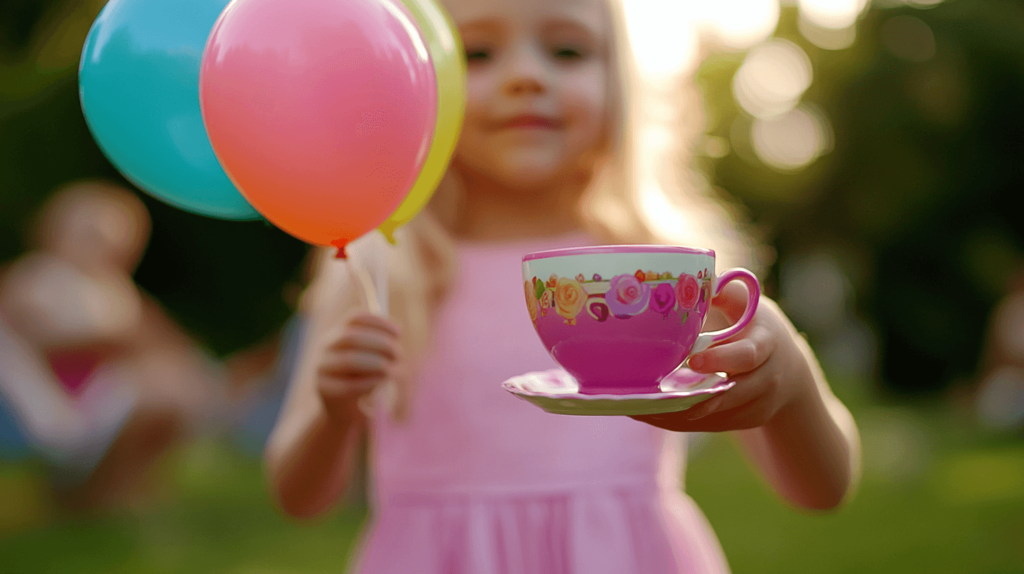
[{"x": 705, "y": 340}]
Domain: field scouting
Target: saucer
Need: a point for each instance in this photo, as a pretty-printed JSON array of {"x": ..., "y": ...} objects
[{"x": 556, "y": 392}]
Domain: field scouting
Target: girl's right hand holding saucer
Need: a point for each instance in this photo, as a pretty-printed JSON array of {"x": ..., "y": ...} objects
[{"x": 361, "y": 358}]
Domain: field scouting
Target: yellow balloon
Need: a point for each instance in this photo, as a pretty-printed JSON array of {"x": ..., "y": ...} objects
[{"x": 445, "y": 47}]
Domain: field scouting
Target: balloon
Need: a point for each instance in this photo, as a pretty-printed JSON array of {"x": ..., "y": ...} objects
[
  {"x": 321, "y": 111},
  {"x": 139, "y": 88},
  {"x": 446, "y": 51}
]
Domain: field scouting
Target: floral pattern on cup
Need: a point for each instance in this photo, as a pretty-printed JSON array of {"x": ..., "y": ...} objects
[
  {"x": 569, "y": 299},
  {"x": 687, "y": 291},
  {"x": 627, "y": 296},
  {"x": 545, "y": 303},
  {"x": 622, "y": 297},
  {"x": 531, "y": 300},
  {"x": 663, "y": 299}
]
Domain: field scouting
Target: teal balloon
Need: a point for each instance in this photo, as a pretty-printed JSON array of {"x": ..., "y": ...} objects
[{"x": 139, "y": 88}]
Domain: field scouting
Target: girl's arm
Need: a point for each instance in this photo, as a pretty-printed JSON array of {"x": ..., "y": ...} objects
[
  {"x": 311, "y": 452},
  {"x": 800, "y": 436},
  {"x": 809, "y": 452}
]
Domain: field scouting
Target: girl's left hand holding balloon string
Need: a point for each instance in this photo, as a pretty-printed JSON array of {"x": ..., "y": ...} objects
[{"x": 770, "y": 369}]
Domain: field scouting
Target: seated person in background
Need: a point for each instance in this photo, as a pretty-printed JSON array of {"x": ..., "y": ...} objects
[
  {"x": 1000, "y": 393},
  {"x": 99, "y": 379}
]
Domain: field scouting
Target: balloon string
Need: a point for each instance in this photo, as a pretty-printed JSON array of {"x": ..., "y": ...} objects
[{"x": 367, "y": 283}]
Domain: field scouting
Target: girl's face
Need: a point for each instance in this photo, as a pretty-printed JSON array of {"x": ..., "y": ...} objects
[{"x": 537, "y": 88}]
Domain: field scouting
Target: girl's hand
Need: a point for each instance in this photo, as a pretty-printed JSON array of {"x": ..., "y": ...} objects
[
  {"x": 770, "y": 371},
  {"x": 361, "y": 358}
]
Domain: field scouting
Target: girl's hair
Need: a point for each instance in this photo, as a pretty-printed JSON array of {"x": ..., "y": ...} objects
[{"x": 643, "y": 190}]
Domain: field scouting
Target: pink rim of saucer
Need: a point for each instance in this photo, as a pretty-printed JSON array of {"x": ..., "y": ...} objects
[
  {"x": 604, "y": 249},
  {"x": 664, "y": 395},
  {"x": 723, "y": 385}
]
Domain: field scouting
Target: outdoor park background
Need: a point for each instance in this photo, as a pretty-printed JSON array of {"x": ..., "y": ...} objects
[{"x": 880, "y": 154}]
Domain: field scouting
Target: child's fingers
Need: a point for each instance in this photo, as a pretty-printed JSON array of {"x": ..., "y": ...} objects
[
  {"x": 341, "y": 396},
  {"x": 751, "y": 402},
  {"x": 372, "y": 321},
  {"x": 355, "y": 364},
  {"x": 350, "y": 386},
  {"x": 368, "y": 340},
  {"x": 741, "y": 356},
  {"x": 751, "y": 414},
  {"x": 746, "y": 390}
]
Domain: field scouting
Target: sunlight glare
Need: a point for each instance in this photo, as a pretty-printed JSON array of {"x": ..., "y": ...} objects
[
  {"x": 739, "y": 24},
  {"x": 663, "y": 36}
]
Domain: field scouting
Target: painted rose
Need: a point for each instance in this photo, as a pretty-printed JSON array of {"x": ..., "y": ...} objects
[
  {"x": 650, "y": 276},
  {"x": 640, "y": 276},
  {"x": 597, "y": 277},
  {"x": 663, "y": 299},
  {"x": 545, "y": 302},
  {"x": 569, "y": 299},
  {"x": 687, "y": 291},
  {"x": 531, "y": 301},
  {"x": 580, "y": 278},
  {"x": 666, "y": 275},
  {"x": 627, "y": 296},
  {"x": 552, "y": 281}
]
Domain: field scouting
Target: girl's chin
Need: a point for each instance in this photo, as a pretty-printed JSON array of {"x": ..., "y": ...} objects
[
  {"x": 531, "y": 179},
  {"x": 532, "y": 172}
]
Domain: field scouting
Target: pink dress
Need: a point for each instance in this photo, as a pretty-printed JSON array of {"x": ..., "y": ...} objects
[{"x": 477, "y": 481}]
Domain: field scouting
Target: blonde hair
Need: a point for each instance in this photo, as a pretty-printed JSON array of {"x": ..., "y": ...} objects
[{"x": 646, "y": 173}]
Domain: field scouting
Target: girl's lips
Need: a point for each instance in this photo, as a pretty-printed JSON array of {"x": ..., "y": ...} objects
[{"x": 529, "y": 121}]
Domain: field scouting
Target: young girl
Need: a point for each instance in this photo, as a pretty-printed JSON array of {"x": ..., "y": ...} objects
[{"x": 467, "y": 478}]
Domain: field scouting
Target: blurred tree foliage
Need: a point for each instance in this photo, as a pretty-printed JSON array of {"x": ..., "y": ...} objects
[{"x": 917, "y": 193}]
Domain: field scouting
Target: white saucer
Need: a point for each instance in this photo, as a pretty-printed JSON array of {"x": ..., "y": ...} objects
[{"x": 556, "y": 392}]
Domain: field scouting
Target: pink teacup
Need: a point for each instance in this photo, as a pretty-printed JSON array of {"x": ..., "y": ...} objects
[{"x": 619, "y": 319}]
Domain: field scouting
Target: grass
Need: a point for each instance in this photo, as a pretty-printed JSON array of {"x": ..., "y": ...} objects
[{"x": 938, "y": 495}]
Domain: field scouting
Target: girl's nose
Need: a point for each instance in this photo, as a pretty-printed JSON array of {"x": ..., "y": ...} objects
[{"x": 526, "y": 71}]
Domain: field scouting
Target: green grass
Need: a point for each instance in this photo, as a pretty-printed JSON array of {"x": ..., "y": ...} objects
[{"x": 938, "y": 495}]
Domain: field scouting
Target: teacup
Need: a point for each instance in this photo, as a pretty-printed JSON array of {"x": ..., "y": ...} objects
[{"x": 619, "y": 319}]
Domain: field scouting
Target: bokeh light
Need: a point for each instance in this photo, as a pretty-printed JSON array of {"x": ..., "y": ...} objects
[
  {"x": 793, "y": 140},
  {"x": 738, "y": 24},
  {"x": 834, "y": 14},
  {"x": 772, "y": 79},
  {"x": 827, "y": 38}
]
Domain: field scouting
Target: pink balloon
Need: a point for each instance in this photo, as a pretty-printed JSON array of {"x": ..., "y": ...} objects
[{"x": 321, "y": 111}]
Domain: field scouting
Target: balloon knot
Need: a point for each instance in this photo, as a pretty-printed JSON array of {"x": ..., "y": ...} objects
[{"x": 340, "y": 244}]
